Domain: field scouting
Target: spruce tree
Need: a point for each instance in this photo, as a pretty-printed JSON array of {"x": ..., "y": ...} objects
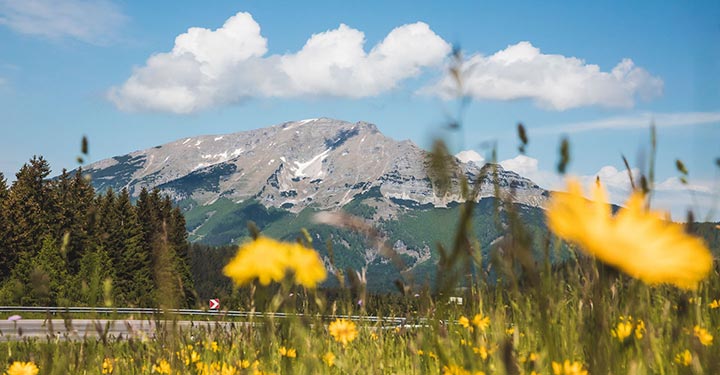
[
  {"x": 3, "y": 223},
  {"x": 29, "y": 207},
  {"x": 132, "y": 265},
  {"x": 177, "y": 234}
]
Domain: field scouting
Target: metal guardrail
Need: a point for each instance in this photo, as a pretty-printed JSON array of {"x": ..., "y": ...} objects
[{"x": 191, "y": 312}]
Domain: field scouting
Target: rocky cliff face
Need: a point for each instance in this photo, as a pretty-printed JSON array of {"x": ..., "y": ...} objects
[{"x": 319, "y": 162}]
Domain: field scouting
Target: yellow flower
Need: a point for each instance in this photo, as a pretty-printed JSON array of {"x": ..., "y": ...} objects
[
  {"x": 568, "y": 368},
  {"x": 622, "y": 331},
  {"x": 703, "y": 335},
  {"x": 307, "y": 266},
  {"x": 638, "y": 242},
  {"x": 640, "y": 329},
  {"x": 244, "y": 364},
  {"x": 269, "y": 260},
  {"x": 343, "y": 331},
  {"x": 373, "y": 336},
  {"x": 329, "y": 359},
  {"x": 481, "y": 351},
  {"x": 481, "y": 322},
  {"x": 263, "y": 258},
  {"x": 714, "y": 304},
  {"x": 457, "y": 370},
  {"x": 464, "y": 321},
  {"x": 285, "y": 352},
  {"x": 684, "y": 358},
  {"x": 162, "y": 367},
  {"x": 22, "y": 368},
  {"x": 107, "y": 366}
]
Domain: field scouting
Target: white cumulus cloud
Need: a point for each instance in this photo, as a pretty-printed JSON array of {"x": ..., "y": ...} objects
[
  {"x": 670, "y": 195},
  {"x": 555, "y": 82},
  {"x": 208, "y": 68},
  {"x": 468, "y": 156},
  {"x": 93, "y": 21},
  {"x": 636, "y": 121}
]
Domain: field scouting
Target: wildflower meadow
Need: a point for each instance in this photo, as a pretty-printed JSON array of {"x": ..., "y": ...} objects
[{"x": 636, "y": 294}]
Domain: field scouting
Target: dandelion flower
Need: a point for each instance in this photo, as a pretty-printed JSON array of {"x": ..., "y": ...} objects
[
  {"x": 568, "y": 368},
  {"x": 684, "y": 358},
  {"x": 269, "y": 260},
  {"x": 481, "y": 322},
  {"x": 457, "y": 370},
  {"x": 263, "y": 258},
  {"x": 343, "y": 331},
  {"x": 22, "y": 368},
  {"x": 703, "y": 335},
  {"x": 107, "y": 366},
  {"x": 638, "y": 242},
  {"x": 162, "y": 367},
  {"x": 307, "y": 266},
  {"x": 329, "y": 359},
  {"x": 481, "y": 351},
  {"x": 623, "y": 329},
  {"x": 285, "y": 352}
]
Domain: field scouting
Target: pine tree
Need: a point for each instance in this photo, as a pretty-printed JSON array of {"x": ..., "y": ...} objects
[
  {"x": 177, "y": 234},
  {"x": 29, "y": 208},
  {"x": 3, "y": 223},
  {"x": 43, "y": 275},
  {"x": 95, "y": 267},
  {"x": 132, "y": 265}
]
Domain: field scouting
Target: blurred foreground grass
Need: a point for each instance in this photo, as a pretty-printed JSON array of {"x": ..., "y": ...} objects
[{"x": 582, "y": 316}]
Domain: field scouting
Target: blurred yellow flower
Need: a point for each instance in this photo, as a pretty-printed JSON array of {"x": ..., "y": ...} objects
[
  {"x": 684, "y": 358},
  {"x": 622, "y": 331},
  {"x": 162, "y": 367},
  {"x": 640, "y": 329},
  {"x": 464, "y": 321},
  {"x": 568, "y": 368},
  {"x": 307, "y": 266},
  {"x": 703, "y": 335},
  {"x": 263, "y": 258},
  {"x": 638, "y": 242},
  {"x": 457, "y": 370},
  {"x": 481, "y": 351},
  {"x": 285, "y": 352},
  {"x": 714, "y": 304},
  {"x": 343, "y": 331},
  {"x": 107, "y": 366},
  {"x": 269, "y": 260},
  {"x": 329, "y": 359},
  {"x": 481, "y": 322},
  {"x": 22, "y": 368}
]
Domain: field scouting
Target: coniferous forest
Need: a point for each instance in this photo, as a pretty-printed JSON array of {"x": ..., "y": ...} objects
[{"x": 64, "y": 244}]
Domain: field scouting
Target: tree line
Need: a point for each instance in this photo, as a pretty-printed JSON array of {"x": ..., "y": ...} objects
[{"x": 62, "y": 244}]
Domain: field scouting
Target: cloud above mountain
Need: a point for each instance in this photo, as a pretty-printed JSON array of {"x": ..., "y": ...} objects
[
  {"x": 208, "y": 68},
  {"x": 553, "y": 82}
]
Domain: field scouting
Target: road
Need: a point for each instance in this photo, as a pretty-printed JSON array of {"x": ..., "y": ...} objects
[{"x": 77, "y": 329}]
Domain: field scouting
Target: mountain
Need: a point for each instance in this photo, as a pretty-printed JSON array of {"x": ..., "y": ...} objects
[{"x": 280, "y": 176}]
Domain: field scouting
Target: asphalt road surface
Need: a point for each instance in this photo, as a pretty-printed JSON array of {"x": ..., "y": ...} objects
[{"x": 77, "y": 329}]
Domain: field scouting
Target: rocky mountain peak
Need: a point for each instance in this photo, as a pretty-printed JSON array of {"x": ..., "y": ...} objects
[{"x": 320, "y": 162}]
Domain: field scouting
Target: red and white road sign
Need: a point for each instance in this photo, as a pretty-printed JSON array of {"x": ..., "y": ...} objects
[{"x": 214, "y": 304}]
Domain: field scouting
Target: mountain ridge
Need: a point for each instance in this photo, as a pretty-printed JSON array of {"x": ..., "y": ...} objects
[{"x": 321, "y": 162}]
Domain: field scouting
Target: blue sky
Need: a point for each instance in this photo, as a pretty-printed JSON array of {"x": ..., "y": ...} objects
[{"x": 598, "y": 73}]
